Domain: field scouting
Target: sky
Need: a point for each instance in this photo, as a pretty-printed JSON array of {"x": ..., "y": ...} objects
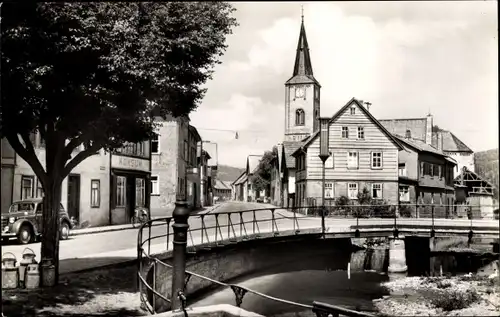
[{"x": 406, "y": 58}]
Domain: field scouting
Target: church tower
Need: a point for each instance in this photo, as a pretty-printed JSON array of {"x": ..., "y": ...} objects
[{"x": 302, "y": 93}]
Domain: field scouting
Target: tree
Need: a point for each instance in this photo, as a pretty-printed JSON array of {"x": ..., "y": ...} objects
[
  {"x": 97, "y": 73},
  {"x": 261, "y": 179}
]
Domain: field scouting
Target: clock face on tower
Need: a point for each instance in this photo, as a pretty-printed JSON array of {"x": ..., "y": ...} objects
[{"x": 299, "y": 92}]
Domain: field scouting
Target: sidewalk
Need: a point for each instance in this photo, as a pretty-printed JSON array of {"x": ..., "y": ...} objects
[{"x": 92, "y": 230}]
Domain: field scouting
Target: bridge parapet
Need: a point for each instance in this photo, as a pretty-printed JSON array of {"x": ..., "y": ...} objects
[{"x": 207, "y": 231}]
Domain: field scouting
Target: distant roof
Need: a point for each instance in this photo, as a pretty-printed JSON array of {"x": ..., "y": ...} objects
[
  {"x": 253, "y": 163},
  {"x": 418, "y": 130},
  {"x": 221, "y": 185},
  {"x": 450, "y": 142},
  {"x": 243, "y": 178},
  {"x": 289, "y": 147},
  {"x": 420, "y": 145},
  {"x": 417, "y": 127}
]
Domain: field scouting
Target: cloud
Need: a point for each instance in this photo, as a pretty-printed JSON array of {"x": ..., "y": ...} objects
[{"x": 404, "y": 60}]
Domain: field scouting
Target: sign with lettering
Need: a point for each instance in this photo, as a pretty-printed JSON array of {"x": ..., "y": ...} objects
[{"x": 129, "y": 163}]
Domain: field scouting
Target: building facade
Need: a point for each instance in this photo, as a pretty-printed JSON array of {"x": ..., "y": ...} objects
[
  {"x": 425, "y": 177},
  {"x": 101, "y": 190},
  {"x": 363, "y": 154},
  {"x": 423, "y": 129},
  {"x": 251, "y": 194},
  {"x": 222, "y": 190},
  {"x": 240, "y": 185},
  {"x": 176, "y": 158},
  {"x": 130, "y": 176}
]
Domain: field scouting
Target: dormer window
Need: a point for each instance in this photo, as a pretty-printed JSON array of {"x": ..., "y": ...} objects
[
  {"x": 299, "y": 117},
  {"x": 353, "y": 110},
  {"x": 408, "y": 134}
]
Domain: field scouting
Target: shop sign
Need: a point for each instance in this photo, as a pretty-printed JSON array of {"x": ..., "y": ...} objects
[{"x": 130, "y": 163}]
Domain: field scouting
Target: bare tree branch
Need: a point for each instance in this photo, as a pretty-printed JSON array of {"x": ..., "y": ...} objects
[
  {"x": 29, "y": 156},
  {"x": 80, "y": 157}
]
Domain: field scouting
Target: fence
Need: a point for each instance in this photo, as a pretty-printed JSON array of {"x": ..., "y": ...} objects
[{"x": 212, "y": 230}]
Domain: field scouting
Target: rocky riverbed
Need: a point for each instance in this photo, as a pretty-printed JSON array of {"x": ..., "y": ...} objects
[{"x": 466, "y": 295}]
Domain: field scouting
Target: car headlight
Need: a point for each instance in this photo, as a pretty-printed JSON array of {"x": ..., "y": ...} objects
[{"x": 12, "y": 220}]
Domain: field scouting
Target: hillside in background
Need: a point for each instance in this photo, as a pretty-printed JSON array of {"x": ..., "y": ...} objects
[
  {"x": 229, "y": 173},
  {"x": 486, "y": 165}
]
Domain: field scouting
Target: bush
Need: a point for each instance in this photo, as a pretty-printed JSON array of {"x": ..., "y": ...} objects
[
  {"x": 405, "y": 211},
  {"x": 343, "y": 206},
  {"x": 452, "y": 299}
]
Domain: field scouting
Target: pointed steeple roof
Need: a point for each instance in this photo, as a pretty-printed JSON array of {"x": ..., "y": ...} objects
[{"x": 302, "y": 70}]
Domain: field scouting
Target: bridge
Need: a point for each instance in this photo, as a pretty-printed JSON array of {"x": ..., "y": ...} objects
[{"x": 213, "y": 233}]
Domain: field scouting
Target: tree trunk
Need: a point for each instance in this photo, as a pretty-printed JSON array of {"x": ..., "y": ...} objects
[{"x": 50, "y": 231}]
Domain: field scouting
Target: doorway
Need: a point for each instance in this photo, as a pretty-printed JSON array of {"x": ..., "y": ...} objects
[{"x": 74, "y": 196}]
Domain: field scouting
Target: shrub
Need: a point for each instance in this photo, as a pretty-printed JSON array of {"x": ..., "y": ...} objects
[
  {"x": 343, "y": 204},
  {"x": 452, "y": 299},
  {"x": 405, "y": 211}
]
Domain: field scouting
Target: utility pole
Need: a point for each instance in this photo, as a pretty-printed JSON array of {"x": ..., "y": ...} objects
[{"x": 324, "y": 153}]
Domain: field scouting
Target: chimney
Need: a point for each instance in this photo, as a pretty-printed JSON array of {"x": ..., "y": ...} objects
[
  {"x": 439, "y": 140},
  {"x": 428, "y": 130},
  {"x": 408, "y": 134}
]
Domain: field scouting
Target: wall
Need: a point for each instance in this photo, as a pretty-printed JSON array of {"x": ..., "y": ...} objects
[
  {"x": 94, "y": 167},
  {"x": 463, "y": 159},
  {"x": 7, "y": 180},
  {"x": 375, "y": 140},
  {"x": 390, "y": 191},
  {"x": 409, "y": 157},
  {"x": 257, "y": 258},
  {"x": 309, "y": 103},
  {"x": 165, "y": 166}
]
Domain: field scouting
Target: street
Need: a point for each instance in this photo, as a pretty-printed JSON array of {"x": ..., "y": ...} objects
[
  {"x": 97, "y": 249},
  {"x": 115, "y": 246}
]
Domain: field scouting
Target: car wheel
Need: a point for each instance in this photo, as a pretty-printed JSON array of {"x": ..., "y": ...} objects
[
  {"x": 64, "y": 231},
  {"x": 25, "y": 235}
]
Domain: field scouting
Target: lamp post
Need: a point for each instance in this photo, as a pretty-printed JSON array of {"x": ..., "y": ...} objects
[
  {"x": 181, "y": 215},
  {"x": 323, "y": 155}
]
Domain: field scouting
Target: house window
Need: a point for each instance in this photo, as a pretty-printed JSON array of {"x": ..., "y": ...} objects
[
  {"x": 140, "y": 192},
  {"x": 155, "y": 144},
  {"x": 193, "y": 156},
  {"x": 352, "y": 191},
  {"x": 345, "y": 132},
  {"x": 376, "y": 159},
  {"x": 120, "y": 191},
  {"x": 404, "y": 193},
  {"x": 435, "y": 170},
  {"x": 440, "y": 171},
  {"x": 353, "y": 110},
  {"x": 27, "y": 187},
  {"x": 329, "y": 163},
  {"x": 299, "y": 117},
  {"x": 328, "y": 190},
  {"x": 186, "y": 151},
  {"x": 361, "y": 133},
  {"x": 39, "y": 189},
  {"x": 95, "y": 193},
  {"x": 402, "y": 170},
  {"x": 155, "y": 185},
  {"x": 377, "y": 191},
  {"x": 352, "y": 160}
]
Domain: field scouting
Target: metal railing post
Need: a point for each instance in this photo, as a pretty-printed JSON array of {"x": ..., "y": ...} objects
[
  {"x": 181, "y": 215},
  {"x": 149, "y": 239}
]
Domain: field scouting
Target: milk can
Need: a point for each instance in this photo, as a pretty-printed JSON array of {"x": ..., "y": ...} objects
[
  {"x": 10, "y": 273},
  {"x": 32, "y": 279},
  {"x": 48, "y": 272},
  {"x": 28, "y": 258}
]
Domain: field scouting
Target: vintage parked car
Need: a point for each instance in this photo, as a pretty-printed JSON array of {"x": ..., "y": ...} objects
[{"x": 24, "y": 221}]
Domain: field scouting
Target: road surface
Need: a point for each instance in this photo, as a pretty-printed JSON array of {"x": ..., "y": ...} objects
[{"x": 87, "y": 251}]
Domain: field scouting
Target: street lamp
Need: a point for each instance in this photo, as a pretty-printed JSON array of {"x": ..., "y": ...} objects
[{"x": 323, "y": 155}]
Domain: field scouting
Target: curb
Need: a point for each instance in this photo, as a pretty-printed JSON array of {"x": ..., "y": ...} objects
[{"x": 110, "y": 229}]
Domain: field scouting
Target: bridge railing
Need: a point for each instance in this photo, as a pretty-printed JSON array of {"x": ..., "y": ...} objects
[{"x": 220, "y": 228}]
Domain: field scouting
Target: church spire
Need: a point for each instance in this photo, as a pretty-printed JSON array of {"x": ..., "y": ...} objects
[{"x": 303, "y": 64}]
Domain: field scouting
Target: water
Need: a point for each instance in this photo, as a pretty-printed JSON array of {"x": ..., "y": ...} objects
[{"x": 308, "y": 285}]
